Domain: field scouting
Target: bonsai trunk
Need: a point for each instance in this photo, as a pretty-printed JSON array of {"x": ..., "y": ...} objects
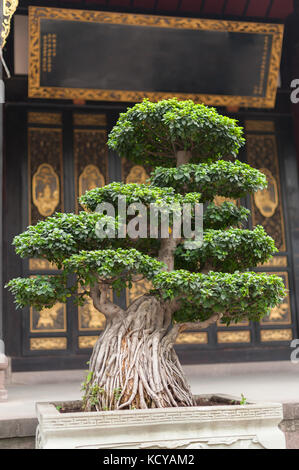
[{"x": 134, "y": 365}]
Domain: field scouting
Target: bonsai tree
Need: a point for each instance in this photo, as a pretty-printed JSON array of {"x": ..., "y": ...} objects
[{"x": 194, "y": 149}]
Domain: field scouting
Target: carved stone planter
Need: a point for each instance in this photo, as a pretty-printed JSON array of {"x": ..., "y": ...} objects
[{"x": 252, "y": 426}]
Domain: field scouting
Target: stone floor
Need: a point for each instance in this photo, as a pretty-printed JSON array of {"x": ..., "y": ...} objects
[{"x": 262, "y": 381}]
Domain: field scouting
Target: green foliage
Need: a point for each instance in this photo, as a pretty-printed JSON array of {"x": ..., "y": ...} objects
[
  {"x": 228, "y": 179},
  {"x": 236, "y": 296},
  {"x": 226, "y": 215},
  {"x": 153, "y": 132},
  {"x": 243, "y": 400},
  {"x": 93, "y": 395},
  {"x": 117, "y": 393},
  {"x": 62, "y": 235},
  {"x": 228, "y": 250},
  {"x": 40, "y": 291},
  {"x": 135, "y": 193},
  {"x": 117, "y": 266}
]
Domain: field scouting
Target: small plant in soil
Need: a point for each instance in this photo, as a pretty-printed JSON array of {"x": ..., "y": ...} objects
[
  {"x": 243, "y": 400},
  {"x": 193, "y": 151}
]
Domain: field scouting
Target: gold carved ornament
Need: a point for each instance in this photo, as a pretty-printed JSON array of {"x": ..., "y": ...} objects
[
  {"x": 48, "y": 319},
  {"x": 87, "y": 342},
  {"x": 275, "y": 262},
  {"x": 260, "y": 126},
  {"x": 40, "y": 264},
  {"x": 193, "y": 338},
  {"x": 219, "y": 200},
  {"x": 138, "y": 289},
  {"x": 44, "y": 118},
  {"x": 266, "y": 200},
  {"x": 276, "y": 335},
  {"x": 9, "y": 7},
  {"x": 225, "y": 337},
  {"x": 280, "y": 314},
  {"x": 90, "y": 178},
  {"x": 99, "y": 120},
  {"x": 38, "y": 344},
  {"x": 89, "y": 317},
  {"x": 45, "y": 189},
  {"x": 137, "y": 174}
]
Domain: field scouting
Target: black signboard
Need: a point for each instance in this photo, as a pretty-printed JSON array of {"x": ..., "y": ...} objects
[{"x": 90, "y": 55}]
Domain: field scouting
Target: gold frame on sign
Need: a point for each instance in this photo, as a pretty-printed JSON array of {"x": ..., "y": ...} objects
[{"x": 36, "y": 91}]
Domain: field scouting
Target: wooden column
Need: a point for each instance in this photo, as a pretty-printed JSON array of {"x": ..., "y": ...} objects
[{"x": 3, "y": 359}]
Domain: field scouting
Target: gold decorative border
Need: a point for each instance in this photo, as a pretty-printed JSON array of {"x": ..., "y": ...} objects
[
  {"x": 35, "y": 90},
  {"x": 8, "y": 8},
  {"x": 227, "y": 337},
  {"x": 46, "y": 344},
  {"x": 276, "y": 335},
  {"x": 232, "y": 325}
]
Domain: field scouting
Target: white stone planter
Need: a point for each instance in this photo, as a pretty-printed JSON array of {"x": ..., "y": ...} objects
[{"x": 252, "y": 426}]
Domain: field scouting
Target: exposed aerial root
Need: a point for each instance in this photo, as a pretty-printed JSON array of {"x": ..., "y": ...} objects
[{"x": 134, "y": 365}]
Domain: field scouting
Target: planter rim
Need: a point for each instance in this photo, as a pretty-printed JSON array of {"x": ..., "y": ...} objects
[{"x": 48, "y": 413}]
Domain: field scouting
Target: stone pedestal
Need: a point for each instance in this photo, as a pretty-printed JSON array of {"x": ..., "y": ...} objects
[
  {"x": 290, "y": 424},
  {"x": 3, "y": 367}
]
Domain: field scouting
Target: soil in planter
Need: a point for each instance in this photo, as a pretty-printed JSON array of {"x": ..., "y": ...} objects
[{"x": 76, "y": 406}]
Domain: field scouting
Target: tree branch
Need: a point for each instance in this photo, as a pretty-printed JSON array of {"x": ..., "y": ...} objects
[
  {"x": 183, "y": 157},
  {"x": 180, "y": 327},
  {"x": 102, "y": 303},
  {"x": 201, "y": 325},
  {"x": 166, "y": 252}
]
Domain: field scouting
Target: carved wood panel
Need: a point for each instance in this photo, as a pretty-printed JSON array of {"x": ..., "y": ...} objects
[
  {"x": 267, "y": 207},
  {"x": 90, "y": 160},
  {"x": 45, "y": 172}
]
